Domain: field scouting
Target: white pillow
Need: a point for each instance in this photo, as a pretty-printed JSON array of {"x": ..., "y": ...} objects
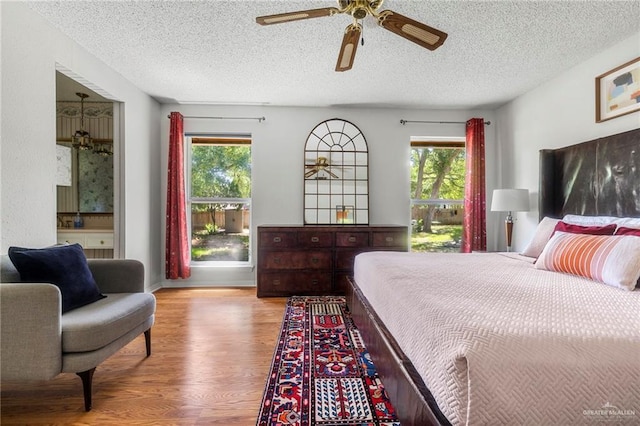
[
  {"x": 628, "y": 222},
  {"x": 540, "y": 237},
  {"x": 575, "y": 219}
]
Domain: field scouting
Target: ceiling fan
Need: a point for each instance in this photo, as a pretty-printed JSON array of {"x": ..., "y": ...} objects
[
  {"x": 419, "y": 33},
  {"x": 321, "y": 165}
]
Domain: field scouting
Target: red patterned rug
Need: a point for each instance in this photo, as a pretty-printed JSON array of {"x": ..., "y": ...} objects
[{"x": 321, "y": 372}]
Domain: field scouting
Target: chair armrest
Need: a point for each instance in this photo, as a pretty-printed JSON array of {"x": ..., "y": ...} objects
[
  {"x": 118, "y": 275},
  {"x": 30, "y": 331}
]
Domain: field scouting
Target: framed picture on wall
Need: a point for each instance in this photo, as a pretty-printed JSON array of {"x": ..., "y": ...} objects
[{"x": 618, "y": 91}]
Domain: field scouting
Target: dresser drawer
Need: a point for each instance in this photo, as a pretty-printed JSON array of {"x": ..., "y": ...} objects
[
  {"x": 278, "y": 239},
  {"x": 342, "y": 282},
  {"x": 295, "y": 260},
  {"x": 98, "y": 241},
  {"x": 389, "y": 239},
  {"x": 344, "y": 258},
  {"x": 71, "y": 239},
  {"x": 315, "y": 239},
  {"x": 293, "y": 283},
  {"x": 352, "y": 239}
]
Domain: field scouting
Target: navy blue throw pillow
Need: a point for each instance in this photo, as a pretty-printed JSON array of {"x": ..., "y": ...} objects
[{"x": 65, "y": 266}]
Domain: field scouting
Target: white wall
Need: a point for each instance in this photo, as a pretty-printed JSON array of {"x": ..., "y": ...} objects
[
  {"x": 278, "y": 158},
  {"x": 556, "y": 114},
  {"x": 31, "y": 48}
]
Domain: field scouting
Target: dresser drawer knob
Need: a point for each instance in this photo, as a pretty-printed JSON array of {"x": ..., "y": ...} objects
[
  {"x": 276, "y": 282},
  {"x": 315, "y": 239},
  {"x": 389, "y": 239},
  {"x": 314, "y": 282},
  {"x": 276, "y": 260},
  {"x": 315, "y": 260},
  {"x": 277, "y": 239},
  {"x": 101, "y": 242},
  {"x": 352, "y": 239}
]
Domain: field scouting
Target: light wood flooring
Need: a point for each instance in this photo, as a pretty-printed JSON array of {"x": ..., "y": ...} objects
[{"x": 210, "y": 355}]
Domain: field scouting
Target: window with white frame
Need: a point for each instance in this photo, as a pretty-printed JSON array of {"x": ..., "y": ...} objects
[
  {"x": 437, "y": 193},
  {"x": 220, "y": 199}
]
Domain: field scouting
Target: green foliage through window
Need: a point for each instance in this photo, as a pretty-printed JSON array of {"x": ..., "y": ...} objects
[
  {"x": 220, "y": 201},
  {"x": 221, "y": 171}
]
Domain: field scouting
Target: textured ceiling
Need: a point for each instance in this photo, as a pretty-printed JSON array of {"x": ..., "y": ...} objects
[{"x": 214, "y": 52}]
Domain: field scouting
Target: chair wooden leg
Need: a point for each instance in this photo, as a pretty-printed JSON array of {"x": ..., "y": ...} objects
[
  {"x": 147, "y": 341},
  {"x": 87, "y": 378}
]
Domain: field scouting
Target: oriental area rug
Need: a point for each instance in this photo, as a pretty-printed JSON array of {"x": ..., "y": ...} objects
[{"x": 321, "y": 372}]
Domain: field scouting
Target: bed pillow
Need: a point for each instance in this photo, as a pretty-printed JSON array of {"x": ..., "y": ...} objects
[
  {"x": 576, "y": 219},
  {"x": 582, "y": 229},
  {"x": 540, "y": 237},
  {"x": 628, "y": 222},
  {"x": 65, "y": 266},
  {"x": 627, "y": 231},
  {"x": 612, "y": 260}
]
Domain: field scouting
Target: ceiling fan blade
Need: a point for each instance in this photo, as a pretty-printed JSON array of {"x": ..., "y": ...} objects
[
  {"x": 414, "y": 31},
  {"x": 296, "y": 16},
  {"x": 310, "y": 173},
  {"x": 333, "y": 175},
  {"x": 349, "y": 47}
]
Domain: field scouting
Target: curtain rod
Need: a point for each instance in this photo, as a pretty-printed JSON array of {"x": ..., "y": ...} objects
[
  {"x": 260, "y": 119},
  {"x": 403, "y": 122}
]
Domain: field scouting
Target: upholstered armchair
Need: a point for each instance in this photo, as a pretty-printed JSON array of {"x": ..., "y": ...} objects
[{"x": 38, "y": 341}]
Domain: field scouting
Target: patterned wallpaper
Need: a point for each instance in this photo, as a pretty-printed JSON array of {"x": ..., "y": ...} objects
[
  {"x": 95, "y": 182},
  {"x": 94, "y": 172}
]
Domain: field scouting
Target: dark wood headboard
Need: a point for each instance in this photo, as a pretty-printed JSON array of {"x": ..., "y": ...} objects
[{"x": 596, "y": 178}]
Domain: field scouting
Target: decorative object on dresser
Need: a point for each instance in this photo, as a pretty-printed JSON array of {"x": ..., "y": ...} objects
[
  {"x": 336, "y": 175},
  {"x": 317, "y": 260},
  {"x": 510, "y": 200}
]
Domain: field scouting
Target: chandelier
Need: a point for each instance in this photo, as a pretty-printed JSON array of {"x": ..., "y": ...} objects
[
  {"x": 81, "y": 139},
  {"x": 104, "y": 149}
]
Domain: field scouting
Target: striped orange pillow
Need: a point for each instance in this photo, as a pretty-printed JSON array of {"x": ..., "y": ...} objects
[{"x": 610, "y": 259}]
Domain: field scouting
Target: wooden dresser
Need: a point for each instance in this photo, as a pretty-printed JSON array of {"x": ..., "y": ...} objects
[{"x": 317, "y": 259}]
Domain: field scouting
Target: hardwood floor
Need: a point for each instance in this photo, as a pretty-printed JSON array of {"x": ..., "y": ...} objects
[{"x": 211, "y": 352}]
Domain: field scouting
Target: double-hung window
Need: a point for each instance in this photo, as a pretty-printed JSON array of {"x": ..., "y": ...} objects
[
  {"x": 220, "y": 199},
  {"x": 437, "y": 193}
]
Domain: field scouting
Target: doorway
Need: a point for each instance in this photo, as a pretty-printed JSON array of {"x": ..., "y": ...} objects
[{"x": 87, "y": 180}]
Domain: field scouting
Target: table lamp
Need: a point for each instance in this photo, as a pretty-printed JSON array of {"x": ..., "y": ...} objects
[{"x": 510, "y": 200}]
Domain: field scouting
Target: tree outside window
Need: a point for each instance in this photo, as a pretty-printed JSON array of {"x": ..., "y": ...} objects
[
  {"x": 220, "y": 199},
  {"x": 437, "y": 193}
]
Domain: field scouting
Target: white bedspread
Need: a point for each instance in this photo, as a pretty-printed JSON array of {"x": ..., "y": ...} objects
[{"x": 499, "y": 342}]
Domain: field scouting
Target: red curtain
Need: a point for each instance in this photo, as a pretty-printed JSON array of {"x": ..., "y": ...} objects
[
  {"x": 474, "y": 235},
  {"x": 177, "y": 256}
]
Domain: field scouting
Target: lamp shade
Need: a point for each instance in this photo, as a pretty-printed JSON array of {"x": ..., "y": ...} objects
[{"x": 510, "y": 200}]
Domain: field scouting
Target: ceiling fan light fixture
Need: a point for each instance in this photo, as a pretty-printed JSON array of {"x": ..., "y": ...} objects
[{"x": 407, "y": 28}]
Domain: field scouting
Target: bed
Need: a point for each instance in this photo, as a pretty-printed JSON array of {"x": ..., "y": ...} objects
[{"x": 494, "y": 338}]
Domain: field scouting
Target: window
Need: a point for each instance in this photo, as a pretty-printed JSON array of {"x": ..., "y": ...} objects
[
  {"x": 220, "y": 199},
  {"x": 437, "y": 193}
]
